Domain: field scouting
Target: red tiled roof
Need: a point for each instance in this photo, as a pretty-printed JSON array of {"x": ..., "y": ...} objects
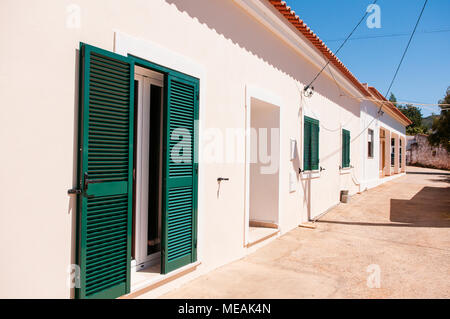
[
  {"x": 294, "y": 19},
  {"x": 290, "y": 15},
  {"x": 378, "y": 96}
]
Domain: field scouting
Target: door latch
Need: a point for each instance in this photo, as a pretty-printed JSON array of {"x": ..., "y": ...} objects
[{"x": 74, "y": 191}]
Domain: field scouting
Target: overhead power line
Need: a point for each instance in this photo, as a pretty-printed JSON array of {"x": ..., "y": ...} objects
[
  {"x": 388, "y": 35},
  {"x": 340, "y": 47},
  {"x": 406, "y": 49}
]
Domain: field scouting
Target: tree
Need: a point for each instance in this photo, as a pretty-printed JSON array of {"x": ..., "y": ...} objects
[
  {"x": 393, "y": 99},
  {"x": 440, "y": 134},
  {"x": 415, "y": 115}
]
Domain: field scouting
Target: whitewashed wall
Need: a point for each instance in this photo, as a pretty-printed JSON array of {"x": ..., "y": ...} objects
[
  {"x": 38, "y": 126},
  {"x": 369, "y": 169}
]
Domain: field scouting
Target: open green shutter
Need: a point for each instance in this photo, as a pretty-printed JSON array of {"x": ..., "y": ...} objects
[
  {"x": 105, "y": 173},
  {"x": 180, "y": 173}
]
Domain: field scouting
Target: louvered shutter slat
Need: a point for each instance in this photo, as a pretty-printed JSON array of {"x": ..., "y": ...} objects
[
  {"x": 180, "y": 201},
  {"x": 104, "y": 229},
  {"x": 307, "y": 146},
  {"x": 315, "y": 146},
  {"x": 345, "y": 148}
]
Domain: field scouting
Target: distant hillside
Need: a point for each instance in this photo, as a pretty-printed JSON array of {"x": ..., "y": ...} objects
[{"x": 428, "y": 121}]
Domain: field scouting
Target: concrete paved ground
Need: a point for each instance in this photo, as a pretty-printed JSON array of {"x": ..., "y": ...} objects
[{"x": 401, "y": 228}]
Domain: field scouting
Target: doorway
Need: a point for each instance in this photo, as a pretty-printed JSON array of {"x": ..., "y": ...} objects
[
  {"x": 147, "y": 170},
  {"x": 137, "y": 202},
  {"x": 264, "y": 170}
]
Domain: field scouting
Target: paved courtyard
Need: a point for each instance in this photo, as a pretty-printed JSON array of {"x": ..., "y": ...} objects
[{"x": 401, "y": 228}]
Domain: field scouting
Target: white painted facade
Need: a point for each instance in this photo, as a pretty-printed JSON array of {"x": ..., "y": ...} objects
[
  {"x": 257, "y": 56},
  {"x": 372, "y": 119}
]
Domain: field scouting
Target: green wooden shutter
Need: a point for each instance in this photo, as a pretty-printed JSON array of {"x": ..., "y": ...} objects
[
  {"x": 105, "y": 173},
  {"x": 307, "y": 145},
  {"x": 345, "y": 148},
  {"x": 315, "y": 146},
  {"x": 180, "y": 173},
  {"x": 348, "y": 149},
  {"x": 311, "y": 144}
]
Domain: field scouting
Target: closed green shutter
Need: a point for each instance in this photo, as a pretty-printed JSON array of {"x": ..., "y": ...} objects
[
  {"x": 180, "y": 173},
  {"x": 105, "y": 173},
  {"x": 307, "y": 146},
  {"x": 311, "y": 144},
  {"x": 315, "y": 146},
  {"x": 345, "y": 148}
]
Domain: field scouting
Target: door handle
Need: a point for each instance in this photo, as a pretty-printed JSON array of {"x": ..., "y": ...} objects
[
  {"x": 74, "y": 191},
  {"x": 88, "y": 181},
  {"x": 223, "y": 179}
]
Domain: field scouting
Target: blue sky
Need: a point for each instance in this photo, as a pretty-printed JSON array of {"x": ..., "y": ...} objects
[{"x": 425, "y": 72}]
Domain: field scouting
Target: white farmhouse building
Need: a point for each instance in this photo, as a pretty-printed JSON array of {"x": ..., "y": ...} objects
[{"x": 148, "y": 142}]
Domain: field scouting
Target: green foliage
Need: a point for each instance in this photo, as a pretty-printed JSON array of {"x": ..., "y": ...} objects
[
  {"x": 428, "y": 121},
  {"x": 440, "y": 134},
  {"x": 393, "y": 99},
  {"x": 414, "y": 130},
  {"x": 415, "y": 115}
]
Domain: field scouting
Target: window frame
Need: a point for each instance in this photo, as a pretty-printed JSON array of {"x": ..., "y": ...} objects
[
  {"x": 392, "y": 152},
  {"x": 370, "y": 142},
  {"x": 314, "y": 123},
  {"x": 345, "y": 143}
]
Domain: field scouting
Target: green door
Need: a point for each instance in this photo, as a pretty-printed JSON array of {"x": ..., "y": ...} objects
[
  {"x": 105, "y": 173},
  {"x": 180, "y": 172}
]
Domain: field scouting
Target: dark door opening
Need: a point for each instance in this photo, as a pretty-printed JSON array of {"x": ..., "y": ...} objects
[{"x": 148, "y": 141}]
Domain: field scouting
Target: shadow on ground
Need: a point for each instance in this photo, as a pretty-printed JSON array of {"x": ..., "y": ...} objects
[
  {"x": 427, "y": 173},
  {"x": 428, "y": 208}
]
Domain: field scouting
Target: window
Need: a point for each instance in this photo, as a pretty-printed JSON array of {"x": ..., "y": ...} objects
[
  {"x": 311, "y": 144},
  {"x": 370, "y": 143},
  {"x": 345, "y": 148},
  {"x": 392, "y": 151},
  {"x": 104, "y": 228},
  {"x": 400, "y": 153}
]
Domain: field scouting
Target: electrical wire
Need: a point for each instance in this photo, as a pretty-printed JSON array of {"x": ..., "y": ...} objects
[
  {"x": 340, "y": 47},
  {"x": 414, "y": 103},
  {"x": 379, "y": 113},
  {"x": 406, "y": 49},
  {"x": 341, "y": 93},
  {"x": 388, "y": 35}
]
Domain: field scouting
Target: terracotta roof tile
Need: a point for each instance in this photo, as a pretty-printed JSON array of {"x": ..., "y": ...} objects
[
  {"x": 377, "y": 95},
  {"x": 290, "y": 15},
  {"x": 298, "y": 23}
]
